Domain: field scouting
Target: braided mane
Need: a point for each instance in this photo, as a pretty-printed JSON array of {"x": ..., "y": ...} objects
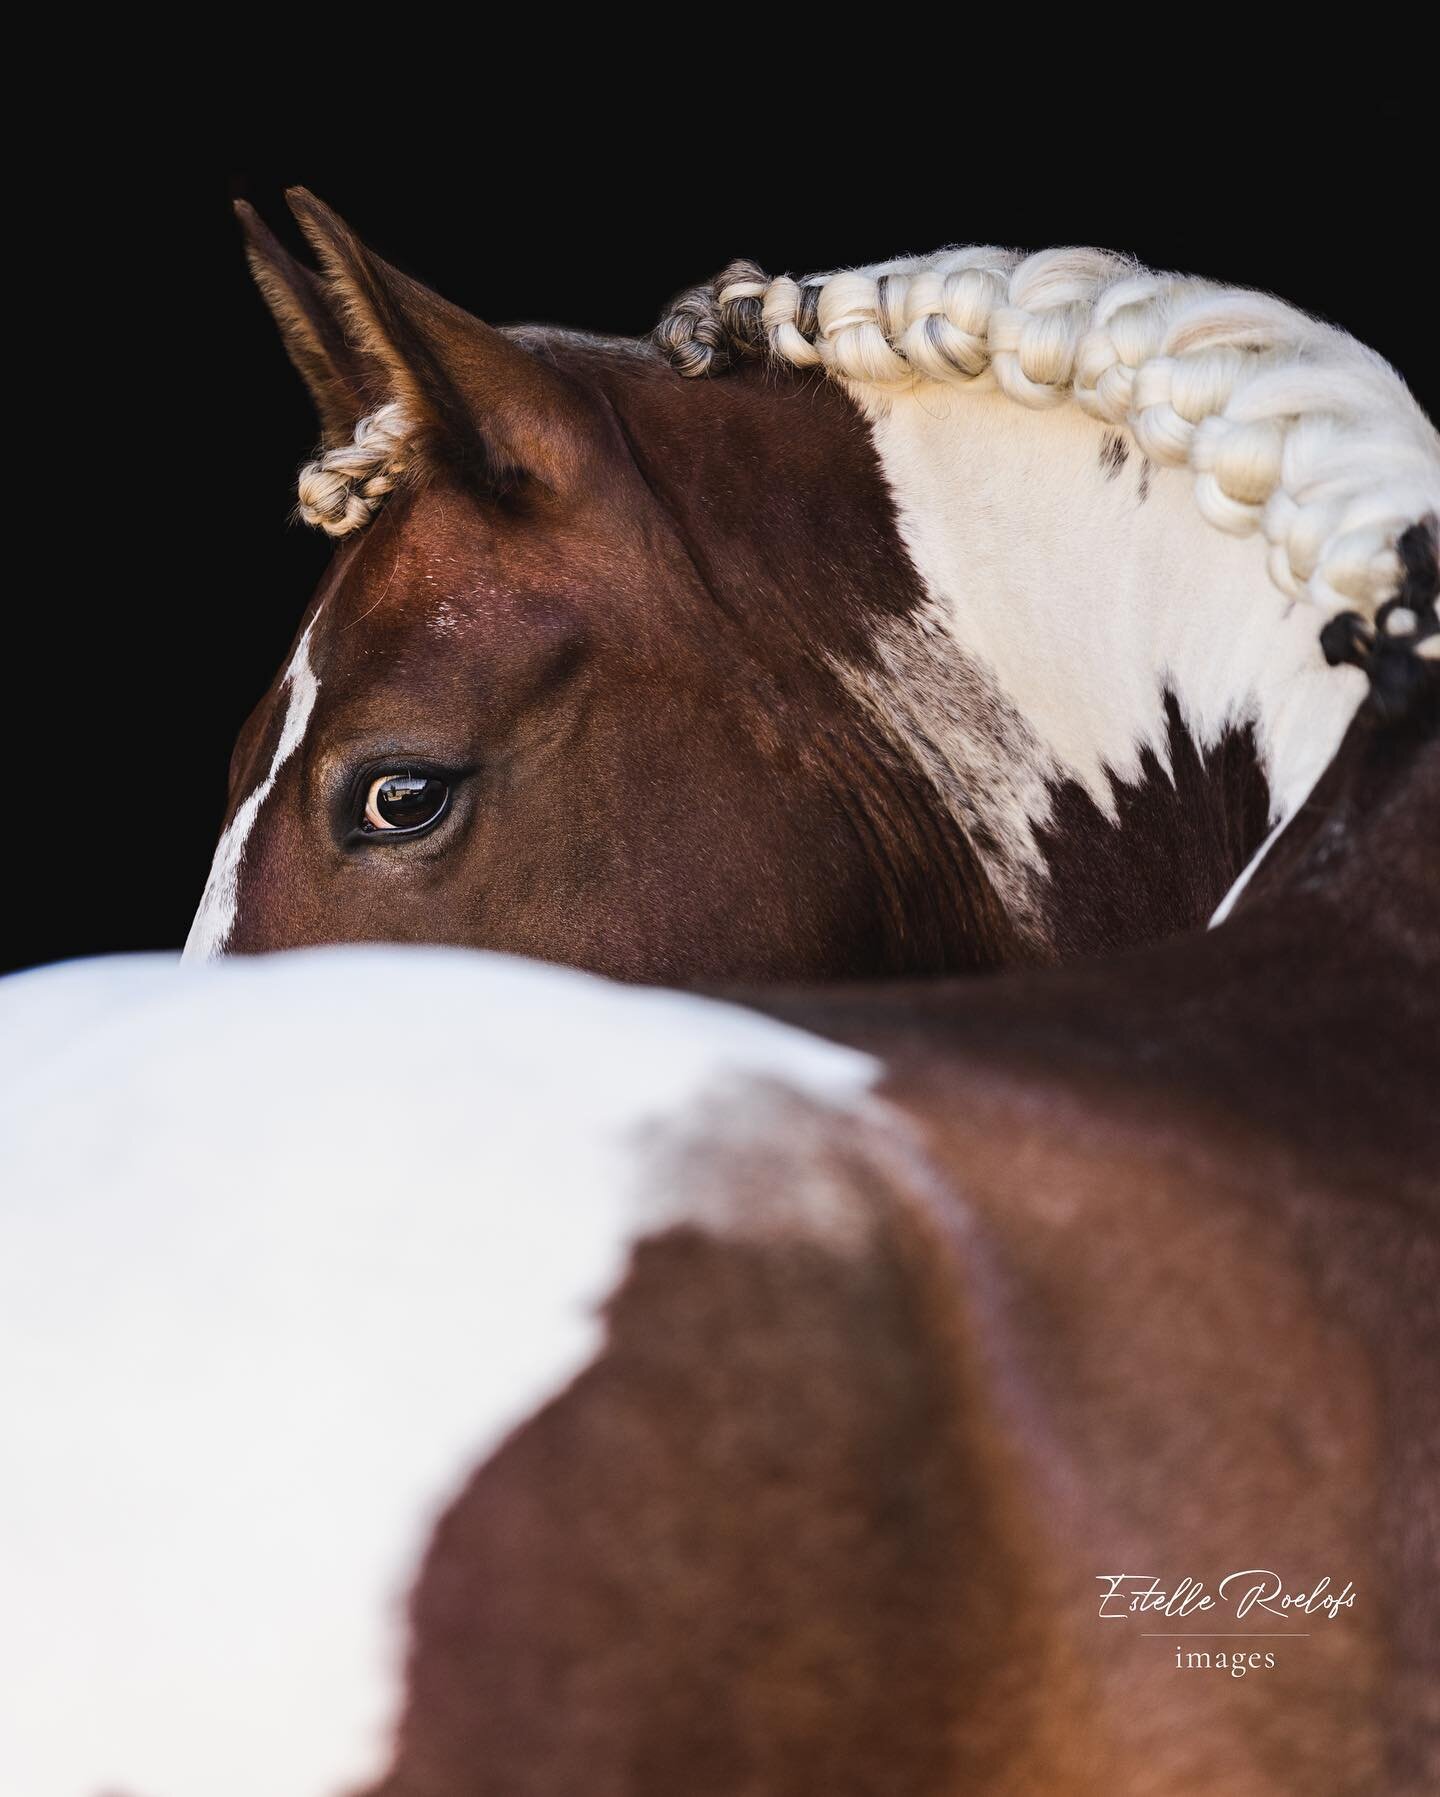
[{"x": 1291, "y": 427}]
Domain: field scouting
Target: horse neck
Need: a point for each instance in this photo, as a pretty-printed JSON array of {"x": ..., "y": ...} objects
[
  {"x": 1108, "y": 695},
  {"x": 1363, "y": 850}
]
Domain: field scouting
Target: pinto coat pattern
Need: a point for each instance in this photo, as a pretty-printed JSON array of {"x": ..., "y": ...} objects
[
  {"x": 908, "y": 1341},
  {"x": 819, "y": 669},
  {"x": 445, "y": 1376}
]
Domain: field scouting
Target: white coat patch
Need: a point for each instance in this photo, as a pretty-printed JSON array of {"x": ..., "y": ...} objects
[
  {"x": 287, "y": 1246},
  {"x": 1061, "y": 605}
]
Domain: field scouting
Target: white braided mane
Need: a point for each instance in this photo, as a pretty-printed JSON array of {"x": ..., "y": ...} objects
[{"x": 1290, "y": 426}]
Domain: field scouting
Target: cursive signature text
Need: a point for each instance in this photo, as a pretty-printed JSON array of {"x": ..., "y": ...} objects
[{"x": 1242, "y": 1593}]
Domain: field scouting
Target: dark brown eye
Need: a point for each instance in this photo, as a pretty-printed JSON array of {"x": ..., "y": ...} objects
[{"x": 404, "y": 802}]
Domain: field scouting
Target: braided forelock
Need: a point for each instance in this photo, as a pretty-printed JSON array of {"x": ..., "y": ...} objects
[{"x": 340, "y": 490}]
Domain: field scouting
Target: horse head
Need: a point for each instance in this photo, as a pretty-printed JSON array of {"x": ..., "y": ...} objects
[
  {"x": 959, "y": 624},
  {"x": 569, "y": 686}
]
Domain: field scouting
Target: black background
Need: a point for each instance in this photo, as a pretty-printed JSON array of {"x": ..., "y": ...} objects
[{"x": 171, "y": 582}]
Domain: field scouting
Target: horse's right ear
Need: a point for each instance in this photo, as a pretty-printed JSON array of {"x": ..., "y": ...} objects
[{"x": 343, "y": 382}]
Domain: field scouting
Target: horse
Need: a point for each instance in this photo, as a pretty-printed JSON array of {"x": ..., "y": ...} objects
[
  {"x": 866, "y": 626},
  {"x": 1008, "y": 1385},
  {"x": 871, "y": 1388}
]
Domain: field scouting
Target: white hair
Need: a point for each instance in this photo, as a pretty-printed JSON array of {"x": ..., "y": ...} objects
[
  {"x": 341, "y": 488},
  {"x": 1291, "y": 427}
]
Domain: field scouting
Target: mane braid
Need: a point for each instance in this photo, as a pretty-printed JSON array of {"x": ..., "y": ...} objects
[{"x": 1291, "y": 427}]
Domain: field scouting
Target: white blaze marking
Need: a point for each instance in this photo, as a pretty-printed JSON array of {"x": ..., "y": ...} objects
[
  {"x": 215, "y": 918},
  {"x": 287, "y": 1246}
]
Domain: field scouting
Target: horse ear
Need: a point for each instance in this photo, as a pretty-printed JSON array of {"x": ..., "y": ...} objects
[
  {"x": 494, "y": 407},
  {"x": 343, "y": 382}
]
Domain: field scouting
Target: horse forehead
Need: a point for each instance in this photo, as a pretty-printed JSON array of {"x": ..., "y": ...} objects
[
  {"x": 442, "y": 626},
  {"x": 429, "y": 546},
  {"x": 447, "y": 565}
]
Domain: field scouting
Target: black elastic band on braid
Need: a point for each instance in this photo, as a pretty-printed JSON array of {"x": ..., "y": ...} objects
[
  {"x": 1400, "y": 678},
  {"x": 1347, "y": 639},
  {"x": 1419, "y": 552}
]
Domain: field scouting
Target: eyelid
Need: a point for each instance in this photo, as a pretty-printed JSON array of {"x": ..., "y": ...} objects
[{"x": 345, "y": 768}]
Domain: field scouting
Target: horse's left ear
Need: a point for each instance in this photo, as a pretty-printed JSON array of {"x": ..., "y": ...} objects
[
  {"x": 339, "y": 377},
  {"x": 486, "y": 402}
]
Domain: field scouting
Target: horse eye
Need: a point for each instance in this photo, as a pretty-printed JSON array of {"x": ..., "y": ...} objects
[{"x": 404, "y": 803}]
